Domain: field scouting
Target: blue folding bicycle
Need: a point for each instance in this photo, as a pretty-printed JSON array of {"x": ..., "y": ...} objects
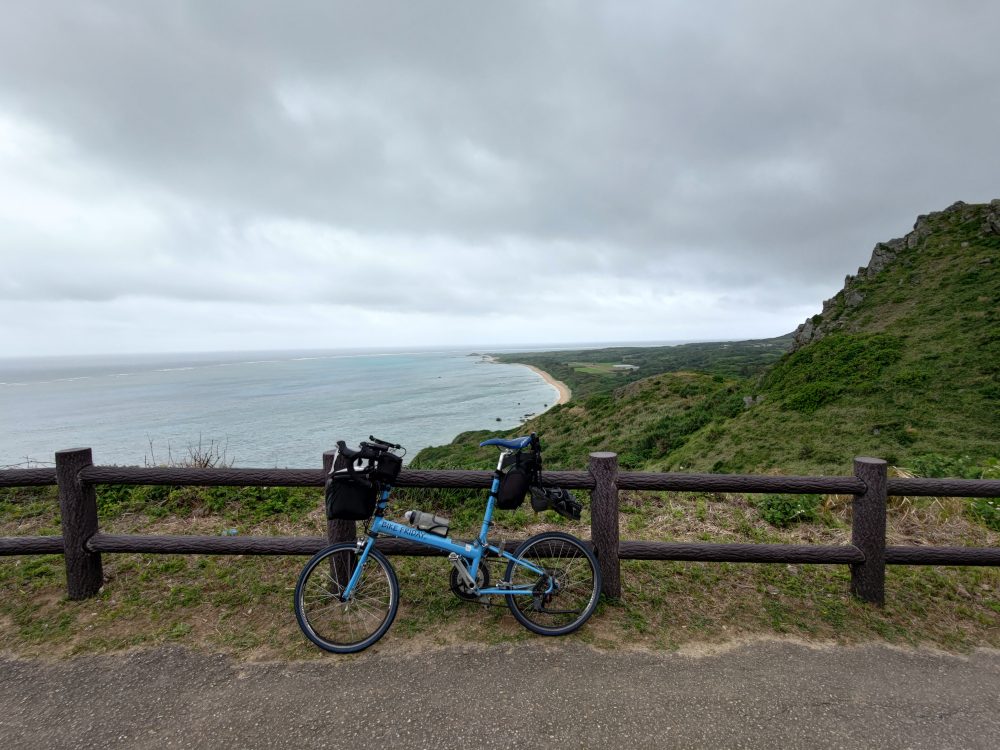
[{"x": 347, "y": 595}]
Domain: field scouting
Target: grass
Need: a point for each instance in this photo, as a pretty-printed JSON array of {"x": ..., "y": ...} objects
[
  {"x": 598, "y": 368},
  {"x": 242, "y": 605}
]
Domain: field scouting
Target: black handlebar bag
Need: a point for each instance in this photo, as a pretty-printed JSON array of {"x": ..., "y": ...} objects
[
  {"x": 386, "y": 467},
  {"x": 349, "y": 498},
  {"x": 352, "y": 493}
]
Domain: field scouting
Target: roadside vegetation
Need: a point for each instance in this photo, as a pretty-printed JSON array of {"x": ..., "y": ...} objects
[{"x": 243, "y": 605}]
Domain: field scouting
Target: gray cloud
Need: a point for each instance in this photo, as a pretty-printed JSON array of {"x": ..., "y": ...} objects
[{"x": 401, "y": 156}]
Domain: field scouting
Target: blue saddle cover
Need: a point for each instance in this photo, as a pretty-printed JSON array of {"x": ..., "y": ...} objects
[{"x": 514, "y": 444}]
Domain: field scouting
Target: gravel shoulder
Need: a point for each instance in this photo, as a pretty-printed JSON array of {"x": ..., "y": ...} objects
[{"x": 761, "y": 694}]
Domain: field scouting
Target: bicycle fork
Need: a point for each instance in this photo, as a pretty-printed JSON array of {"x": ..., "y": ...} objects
[{"x": 364, "y": 548}]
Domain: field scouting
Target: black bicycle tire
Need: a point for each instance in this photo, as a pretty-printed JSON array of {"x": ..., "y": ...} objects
[
  {"x": 512, "y": 599},
  {"x": 346, "y": 648}
]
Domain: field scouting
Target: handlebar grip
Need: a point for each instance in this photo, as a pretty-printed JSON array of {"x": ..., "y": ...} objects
[
  {"x": 347, "y": 452},
  {"x": 386, "y": 443}
]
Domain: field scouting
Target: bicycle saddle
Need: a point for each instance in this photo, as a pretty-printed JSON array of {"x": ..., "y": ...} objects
[{"x": 514, "y": 444}]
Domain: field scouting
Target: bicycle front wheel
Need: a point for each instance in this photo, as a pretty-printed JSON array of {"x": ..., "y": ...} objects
[
  {"x": 565, "y": 595},
  {"x": 340, "y": 625}
]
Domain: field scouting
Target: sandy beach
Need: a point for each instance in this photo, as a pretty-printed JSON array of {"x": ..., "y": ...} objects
[{"x": 564, "y": 391}]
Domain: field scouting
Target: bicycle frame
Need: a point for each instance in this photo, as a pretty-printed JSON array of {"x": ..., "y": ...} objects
[{"x": 471, "y": 552}]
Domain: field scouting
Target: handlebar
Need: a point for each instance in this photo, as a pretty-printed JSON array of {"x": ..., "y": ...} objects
[
  {"x": 347, "y": 452},
  {"x": 352, "y": 456},
  {"x": 371, "y": 451},
  {"x": 385, "y": 443}
]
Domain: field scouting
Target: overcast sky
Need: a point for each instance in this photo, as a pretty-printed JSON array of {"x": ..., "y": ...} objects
[{"x": 184, "y": 176}]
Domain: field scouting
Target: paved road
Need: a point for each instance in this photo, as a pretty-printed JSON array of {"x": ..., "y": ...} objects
[{"x": 769, "y": 695}]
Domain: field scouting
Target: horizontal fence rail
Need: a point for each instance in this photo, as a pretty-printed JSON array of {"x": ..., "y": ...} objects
[
  {"x": 744, "y": 553},
  {"x": 82, "y": 543},
  {"x": 31, "y": 545},
  {"x": 459, "y": 479},
  {"x": 190, "y": 477},
  {"x": 27, "y": 477},
  {"x": 230, "y": 477},
  {"x": 248, "y": 545},
  {"x": 942, "y": 555},
  {"x": 943, "y": 488},
  {"x": 636, "y": 480}
]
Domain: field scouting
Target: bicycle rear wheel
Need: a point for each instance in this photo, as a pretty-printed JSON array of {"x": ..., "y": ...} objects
[
  {"x": 339, "y": 626},
  {"x": 572, "y": 569}
]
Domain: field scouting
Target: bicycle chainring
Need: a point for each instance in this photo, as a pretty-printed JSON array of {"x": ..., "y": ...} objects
[{"x": 461, "y": 589}]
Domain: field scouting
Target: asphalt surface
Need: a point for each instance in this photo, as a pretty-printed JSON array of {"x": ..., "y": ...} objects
[{"x": 545, "y": 694}]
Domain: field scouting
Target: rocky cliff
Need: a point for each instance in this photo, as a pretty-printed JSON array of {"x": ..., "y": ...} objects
[{"x": 837, "y": 311}]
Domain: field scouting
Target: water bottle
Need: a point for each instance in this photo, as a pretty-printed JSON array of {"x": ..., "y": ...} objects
[{"x": 428, "y": 522}]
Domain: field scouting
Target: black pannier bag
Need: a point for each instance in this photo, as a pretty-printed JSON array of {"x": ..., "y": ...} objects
[
  {"x": 518, "y": 473},
  {"x": 348, "y": 498}
]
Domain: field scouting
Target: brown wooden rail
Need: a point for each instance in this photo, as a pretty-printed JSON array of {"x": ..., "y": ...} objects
[{"x": 82, "y": 543}]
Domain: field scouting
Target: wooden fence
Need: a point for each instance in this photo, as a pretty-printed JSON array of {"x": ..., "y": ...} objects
[{"x": 83, "y": 543}]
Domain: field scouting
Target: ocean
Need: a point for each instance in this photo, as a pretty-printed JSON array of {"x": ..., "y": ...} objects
[{"x": 263, "y": 409}]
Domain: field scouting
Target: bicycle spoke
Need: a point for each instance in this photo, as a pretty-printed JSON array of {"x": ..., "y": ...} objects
[
  {"x": 570, "y": 573},
  {"x": 351, "y": 624}
]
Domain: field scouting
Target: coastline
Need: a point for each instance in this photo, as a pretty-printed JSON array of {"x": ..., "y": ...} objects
[{"x": 565, "y": 394}]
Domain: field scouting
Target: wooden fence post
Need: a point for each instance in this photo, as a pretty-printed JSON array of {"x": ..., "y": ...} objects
[
  {"x": 868, "y": 530},
  {"x": 78, "y": 508},
  {"x": 604, "y": 520},
  {"x": 338, "y": 531}
]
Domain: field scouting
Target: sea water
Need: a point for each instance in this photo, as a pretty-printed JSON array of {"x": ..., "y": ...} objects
[{"x": 259, "y": 409}]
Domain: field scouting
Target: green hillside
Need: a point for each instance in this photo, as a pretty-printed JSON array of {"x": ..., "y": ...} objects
[
  {"x": 589, "y": 371},
  {"x": 631, "y": 420},
  {"x": 903, "y": 363}
]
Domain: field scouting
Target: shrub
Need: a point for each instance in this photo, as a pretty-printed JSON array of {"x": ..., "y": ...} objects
[
  {"x": 957, "y": 467},
  {"x": 630, "y": 461},
  {"x": 597, "y": 402},
  {"x": 831, "y": 367},
  {"x": 808, "y": 398},
  {"x": 784, "y": 510},
  {"x": 986, "y": 510},
  {"x": 911, "y": 379}
]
